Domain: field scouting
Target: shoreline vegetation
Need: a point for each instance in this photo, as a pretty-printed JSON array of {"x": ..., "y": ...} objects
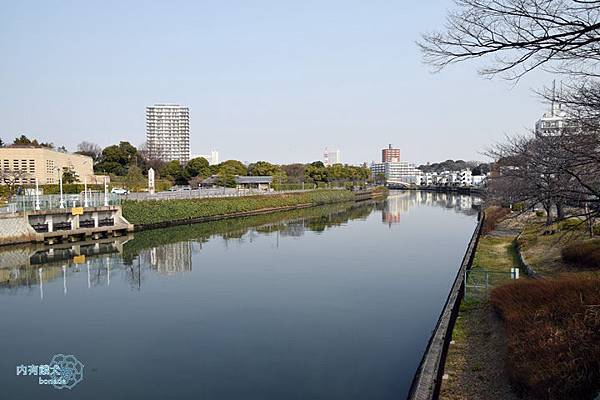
[
  {"x": 161, "y": 213},
  {"x": 531, "y": 338}
]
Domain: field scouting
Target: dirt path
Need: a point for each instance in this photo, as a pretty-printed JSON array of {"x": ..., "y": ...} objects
[{"x": 475, "y": 367}]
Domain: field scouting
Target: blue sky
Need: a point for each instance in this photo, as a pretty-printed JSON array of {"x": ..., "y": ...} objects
[{"x": 264, "y": 80}]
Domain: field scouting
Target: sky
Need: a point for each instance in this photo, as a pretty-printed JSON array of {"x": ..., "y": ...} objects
[{"x": 275, "y": 80}]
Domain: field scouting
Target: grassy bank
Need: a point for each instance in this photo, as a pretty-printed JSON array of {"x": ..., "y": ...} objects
[
  {"x": 538, "y": 338},
  {"x": 163, "y": 211},
  {"x": 474, "y": 367}
]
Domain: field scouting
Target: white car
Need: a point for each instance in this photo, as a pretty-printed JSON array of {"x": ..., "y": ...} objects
[{"x": 119, "y": 191}]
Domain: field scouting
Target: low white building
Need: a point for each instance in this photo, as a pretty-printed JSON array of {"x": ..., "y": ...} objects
[
  {"x": 452, "y": 178},
  {"x": 401, "y": 172}
]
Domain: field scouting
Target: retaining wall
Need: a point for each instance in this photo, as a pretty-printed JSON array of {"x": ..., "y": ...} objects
[{"x": 427, "y": 381}]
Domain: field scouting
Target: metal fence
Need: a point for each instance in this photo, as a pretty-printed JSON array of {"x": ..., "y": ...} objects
[
  {"x": 53, "y": 201},
  {"x": 50, "y": 202},
  {"x": 206, "y": 193},
  {"x": 478, "y": 282}
]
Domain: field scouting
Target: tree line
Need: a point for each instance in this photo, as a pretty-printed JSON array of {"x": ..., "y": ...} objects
[{"x": 558, "y": 169}]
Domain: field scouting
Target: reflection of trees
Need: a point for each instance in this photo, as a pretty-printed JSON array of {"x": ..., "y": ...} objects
[
  {"x": 286, "y": 223},
  {"x": 170, "y": 250}
]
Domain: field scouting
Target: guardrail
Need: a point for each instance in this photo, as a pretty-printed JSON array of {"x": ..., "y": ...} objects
[{"x": 208, "y": 193}]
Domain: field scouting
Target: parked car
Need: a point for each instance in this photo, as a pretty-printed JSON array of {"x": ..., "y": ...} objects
[{"x": 119, "y": 191}]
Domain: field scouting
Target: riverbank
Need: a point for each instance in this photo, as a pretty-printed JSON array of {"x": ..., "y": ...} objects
[
  {"x": 535, "y": 338},
  {"x": 163, "y": 213}
]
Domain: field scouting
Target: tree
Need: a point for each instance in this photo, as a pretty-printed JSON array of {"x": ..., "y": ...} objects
[
  {"x": 174, "y": 171},
  {"x": 294, "y": 172},
  {"x": 116, "y": 159},
  {"x": 226, "y": 175},
  {"x": 232, "y": 166},
  {"x": 316, "y": 172},
  {"x": 264, "y": 168},
  {"x": 69, "y": 175},
  {"x": 134, "y": 180},
  {"x": 1, "y": 142},
  {"x": 198, "y": 167},
  {"x": 23, "y": 140},
  {"x": 89, "y": 149},
  {"x": 519, "y": 36},
  {"x": 553, "y": 171},
  {"x": 12, "y": 177}
]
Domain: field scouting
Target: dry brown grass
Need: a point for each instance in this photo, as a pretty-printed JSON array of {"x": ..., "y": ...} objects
[
  {"x": 553, "y": 335},
  {"x": 492, "y": 216},
  {"x": 583, "y": 254}
]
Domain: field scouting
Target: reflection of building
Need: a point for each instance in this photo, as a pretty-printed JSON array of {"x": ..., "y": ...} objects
[
  {"x": 170, "y": 258},
  {"x": 398, "y": 203},
  {"x": 168, "y": 132},
  {"x": 392, "y": 209},
  {"x": 27, "y": 163}
]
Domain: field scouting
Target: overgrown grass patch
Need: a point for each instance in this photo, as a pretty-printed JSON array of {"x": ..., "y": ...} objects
[{"x": 553, "y": 329}]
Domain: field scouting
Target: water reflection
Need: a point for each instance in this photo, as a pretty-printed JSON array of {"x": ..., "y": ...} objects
[
  {"x": 399, "y": 203},
  {"x": 325, "y": 302},
  {"x": 170, "y": 251}
]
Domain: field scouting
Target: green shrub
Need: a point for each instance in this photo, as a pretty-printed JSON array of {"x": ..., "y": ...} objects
[
  {"x": 540, "y": 213},
  {"x": 583, "y": 254},
  {"x": 596, "y": 229},
  {"x": 157, "y": 211}
]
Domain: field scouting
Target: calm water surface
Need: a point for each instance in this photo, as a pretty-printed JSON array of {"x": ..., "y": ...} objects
[{"x": 326, "y": 303}]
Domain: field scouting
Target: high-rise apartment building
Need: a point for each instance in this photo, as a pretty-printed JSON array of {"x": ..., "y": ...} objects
[
  {"x": 390, "y": 155},
  {"x": 168, "y": 132}
]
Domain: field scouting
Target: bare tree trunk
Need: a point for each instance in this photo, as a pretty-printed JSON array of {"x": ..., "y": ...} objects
[
  {"x": 548, "y": 208},
  {"x": 560, "y": 212}
]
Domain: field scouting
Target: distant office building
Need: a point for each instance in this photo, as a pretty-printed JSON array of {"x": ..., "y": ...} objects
[
  {"x": 168, "y": 132},
  {"x": 23, "y": 164},
  {"x": 390, "y": 154},
  {"x": 212, "y": 158},
  {"x": 331, "y": 157}
]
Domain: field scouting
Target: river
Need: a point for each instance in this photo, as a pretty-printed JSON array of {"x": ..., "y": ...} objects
[{"x": 332, "y": 302}]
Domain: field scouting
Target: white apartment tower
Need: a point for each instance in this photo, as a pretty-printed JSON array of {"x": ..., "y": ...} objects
[{"x": 168, "y": 132}]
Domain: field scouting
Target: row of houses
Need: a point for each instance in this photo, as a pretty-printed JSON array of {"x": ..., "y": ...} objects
[
  {"x": 463, "y": 178},
  {"x": 405, "y": 173}
]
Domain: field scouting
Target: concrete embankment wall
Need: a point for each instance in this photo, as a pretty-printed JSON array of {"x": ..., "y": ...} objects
[
  {"x": 14, "y": 229},
  {"x": 43, "y": 225},
  {"x": 427, "y": 380}
]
